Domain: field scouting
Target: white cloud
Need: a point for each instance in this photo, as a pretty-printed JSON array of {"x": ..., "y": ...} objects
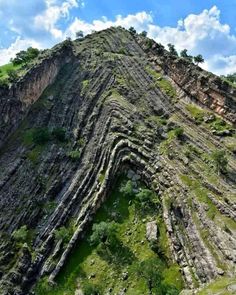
[
  {"x": 53, "y": 13},
  {"x": 140, "y": 21},
  {"x": 20, "y": 44},
  {"x": 201, "y": 33}
]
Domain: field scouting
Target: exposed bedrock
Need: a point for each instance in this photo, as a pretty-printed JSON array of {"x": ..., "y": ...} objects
[
  {"x": 205, "y": 88},
  {"x": 113, "y": 121}
]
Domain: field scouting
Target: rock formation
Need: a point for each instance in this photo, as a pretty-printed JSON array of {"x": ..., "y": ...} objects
[{"x": 122, "y": 104}]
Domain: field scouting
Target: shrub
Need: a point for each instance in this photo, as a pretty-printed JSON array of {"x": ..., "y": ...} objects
[
  {"x": 172, "y": 49},
  {"x": 90, "y": 289},
  {"x": 147, "y": 200},
  {"x": 12, "y": 75},
  {"x": 40, "y": 136},
  {"x": 103, "y": 233},
  {"x": 179, "y": 131},
  {"x": 59, "y": 134},
  {"x": 127, "y": 189},
  {"x": 21, "y": 234},
  {"x": 144, "y": 34},
  {"x": 63, "y": 234},
  {"x": 74, "y": 155},
  {"x": 220, "y": 160},
  {"x": 132, "y": 30}
]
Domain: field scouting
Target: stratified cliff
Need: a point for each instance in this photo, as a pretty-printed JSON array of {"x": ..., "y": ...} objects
[{"x": 102, "y": 106}]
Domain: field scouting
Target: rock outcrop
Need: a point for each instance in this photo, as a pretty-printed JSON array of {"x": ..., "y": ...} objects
[{"x": 116, "y": 117}]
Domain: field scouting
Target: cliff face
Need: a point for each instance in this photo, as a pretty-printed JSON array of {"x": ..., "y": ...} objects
[
  {"x": 119, "y": 106},
  {"x": 15, "y": 101},
  {"x": 203, "y": 87}
]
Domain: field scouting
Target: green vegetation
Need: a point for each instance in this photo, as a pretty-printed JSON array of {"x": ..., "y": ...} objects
[
  {"x": 74, "y": 155},
  {"x": 230, "y": 79},
  {"x": 103, "y": 234},
  {"x": 21, "y": 234},
  {"x": 41, "y": 135},
  {"x": 213, "y": 122},
  {"x": 10, "y": 72},
  {"x": 59, "y": 134},
  {"x": 220, "y": 160},
  {"x": 172, "y": 49},
  {"x": 162, "y": 83},
  {"x": 25, "y": 56},
  {"x": 224, "y": 286},
  {"x": 115, "y": 253},
  {"x": 198, "y": 59},
  {"x": 179, "y": 131},
  {"x": 132, "y": 31},
  {"x": 63, "y": 234}
]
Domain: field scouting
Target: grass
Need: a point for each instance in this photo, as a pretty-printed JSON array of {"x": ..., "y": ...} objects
[
  {"x": 85, "y": 266},
  {"x": 5, "y": 68},
  {"x": 213, "y": 213},
  {"x": 215, "y": 123},
  {"x": 162, "y": 83},
  {"x": 219, "y": 286}
]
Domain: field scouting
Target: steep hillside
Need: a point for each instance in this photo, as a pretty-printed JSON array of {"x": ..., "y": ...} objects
[{"x": 112, "y": 128}]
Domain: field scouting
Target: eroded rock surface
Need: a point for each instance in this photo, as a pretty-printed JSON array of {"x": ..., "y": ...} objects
[{"x": 115, "y": 115}]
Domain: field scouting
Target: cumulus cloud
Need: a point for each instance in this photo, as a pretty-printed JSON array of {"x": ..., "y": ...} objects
[
  {"x": 139, "y": 20},
  {"x": 202, "y": 33},
  {"x": 199, "y": 33},
  {"x": 20, "y": 44},
  {"x": 54, "y": 12}
]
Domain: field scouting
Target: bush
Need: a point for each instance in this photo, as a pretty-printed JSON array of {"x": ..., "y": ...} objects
[
  {"x": 63, "y": 234},
  {"x": 90, "y": 289},
  {"x": 59, "y": 134},
  {"x": 40, "y": 136},
  {"x": 12, "y": 75},
  {"x": 127, "y": 189},
  {"x": 103, "y": 233},
  {"x": 147, "y": 200},
  {"x": 74, "y": 155},
  {"x": 179, "y": 131},
  {"x": 220, "y": 160},
  {"x": 21, "y": 234}
]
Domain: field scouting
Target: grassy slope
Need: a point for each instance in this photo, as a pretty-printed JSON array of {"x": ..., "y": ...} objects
[
  {"x": 5, "y": 68},
  {"x": 85, "y": 260}
]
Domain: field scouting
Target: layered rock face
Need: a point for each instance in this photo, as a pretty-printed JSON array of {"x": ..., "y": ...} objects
[{"x": 117, "y": 114}]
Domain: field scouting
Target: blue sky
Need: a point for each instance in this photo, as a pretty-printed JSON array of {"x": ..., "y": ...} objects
[{"x": 207, "y": 27}]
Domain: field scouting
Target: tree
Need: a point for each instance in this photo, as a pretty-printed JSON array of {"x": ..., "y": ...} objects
[
  {"x": 172, "y": 49},
  {"x": 79, "y": 34},
  {"x": 151, "y": 271},
  {"x": 23, "y": 57},
  {"x": 132, "y": 31},
  {"x": 198, "y": 59},
  {"x": 144, "y": 34},
  {"x": 103, "y": 233},
  {"x": 220, "y": 160},
  {"x": 147, "y": 200},
  {"x": 184, "y": 54}
]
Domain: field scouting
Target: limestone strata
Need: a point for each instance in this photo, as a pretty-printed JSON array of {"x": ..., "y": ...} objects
[{"x": 103, "y": 99}]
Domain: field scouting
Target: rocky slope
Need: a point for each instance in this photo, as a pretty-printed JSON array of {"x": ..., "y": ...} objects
[{"x": 95, "y": 108}]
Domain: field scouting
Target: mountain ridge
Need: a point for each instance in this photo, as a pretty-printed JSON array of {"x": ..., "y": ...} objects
[{"x": 119, "y": 105}]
